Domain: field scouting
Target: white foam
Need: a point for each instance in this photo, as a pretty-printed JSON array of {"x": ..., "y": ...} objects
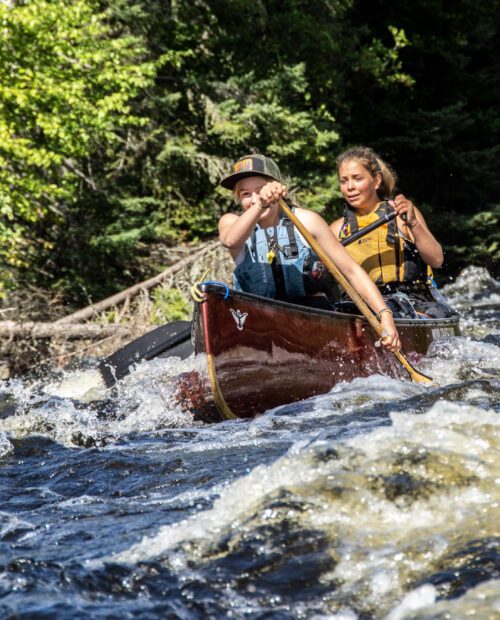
[
  {"x": 6, "y": 446},
  {"x": 473, "y": 284},
  {"x": 459, "y": 441},
  {"x": 85, "y": 386},
  {"x": 416, "y": 599}
]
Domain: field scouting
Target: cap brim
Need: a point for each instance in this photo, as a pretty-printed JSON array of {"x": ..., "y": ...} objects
[{"x": 230, "y": 181}]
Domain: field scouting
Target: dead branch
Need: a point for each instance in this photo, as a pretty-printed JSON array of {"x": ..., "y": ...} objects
[
  {"x": 33, "y": 329},
  {"x": 94, "y": 309}
]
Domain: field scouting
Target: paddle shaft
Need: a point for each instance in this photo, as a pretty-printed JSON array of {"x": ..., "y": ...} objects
[
  {"x": 364, "y": 231},
  {"x": 348, "y": 288}
]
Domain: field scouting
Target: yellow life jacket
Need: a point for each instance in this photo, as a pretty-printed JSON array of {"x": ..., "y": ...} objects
[{"x": 384, "y": 253}]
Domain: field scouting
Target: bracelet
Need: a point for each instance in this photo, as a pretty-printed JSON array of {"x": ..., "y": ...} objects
[
  {"x": 384, "y": 310},
  {"x": 412, "y": 226}
]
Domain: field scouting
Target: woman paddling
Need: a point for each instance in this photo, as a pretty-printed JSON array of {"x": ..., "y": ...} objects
[
  {"x": 273, "y": 259},
  {"x": 398, "y": 256}
]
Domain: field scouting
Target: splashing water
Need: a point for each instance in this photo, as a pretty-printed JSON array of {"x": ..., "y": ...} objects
[{"x": 377, "y": 500}]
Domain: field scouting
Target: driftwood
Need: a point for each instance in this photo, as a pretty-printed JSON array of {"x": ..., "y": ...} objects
[
  {"x": 33, "y": 329},
  {"x": 94, "y": 309}
]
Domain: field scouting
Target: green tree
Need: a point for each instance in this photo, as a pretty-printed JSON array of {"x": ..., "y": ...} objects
[
  {"x": 67, "y": 79},
  {"x": 238, "y": 76},
  {"x": 442, "y": 132},
  {"x": 120, "y": 154}
]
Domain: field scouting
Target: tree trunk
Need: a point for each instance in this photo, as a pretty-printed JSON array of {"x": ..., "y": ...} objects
[{"x": 32, "y": 329}]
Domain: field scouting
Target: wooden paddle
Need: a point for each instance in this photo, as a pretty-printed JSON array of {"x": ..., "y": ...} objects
[{"x": 355, "y": 297}]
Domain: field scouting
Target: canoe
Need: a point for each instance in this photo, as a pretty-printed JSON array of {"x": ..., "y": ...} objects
[{"x": 253, "y": 353}]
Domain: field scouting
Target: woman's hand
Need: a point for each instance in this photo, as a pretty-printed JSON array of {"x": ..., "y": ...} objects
[
  {"x": 429, "y": 249},
  {"x": 271, "y": 193},
  {"x": 390, "y": 340},
  {"x": 403, "y": 205}
]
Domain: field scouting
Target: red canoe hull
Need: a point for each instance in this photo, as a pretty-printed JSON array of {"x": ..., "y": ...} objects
[{"x": 253, "y": 353}]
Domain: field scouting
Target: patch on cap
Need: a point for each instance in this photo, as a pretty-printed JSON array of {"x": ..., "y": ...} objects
[{"x": 244, "y": 165}]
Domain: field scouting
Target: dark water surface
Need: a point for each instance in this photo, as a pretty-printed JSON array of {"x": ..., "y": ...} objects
[{"x": 379, "y": 500}]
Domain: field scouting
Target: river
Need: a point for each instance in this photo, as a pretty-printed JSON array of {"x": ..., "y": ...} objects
[{"x": 378, "y": 500}]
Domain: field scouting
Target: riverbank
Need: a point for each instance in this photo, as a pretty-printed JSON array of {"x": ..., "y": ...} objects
[{"x": 28, "y": 344}]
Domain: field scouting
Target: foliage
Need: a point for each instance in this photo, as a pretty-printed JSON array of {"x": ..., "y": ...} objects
[
  {"x": 216, "y": 99},
  {"x": 481, "y": 245},
  {"x": 442, "y": 133},
  {"x": 169, "y": 304},
  {"x": 119, "y": 117},
  {"x": 256, "y": 116},
  {"x": 66, "y": 83}
]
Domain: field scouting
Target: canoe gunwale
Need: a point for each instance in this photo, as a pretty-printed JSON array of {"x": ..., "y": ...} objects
[{"x": 333, "y": 314}]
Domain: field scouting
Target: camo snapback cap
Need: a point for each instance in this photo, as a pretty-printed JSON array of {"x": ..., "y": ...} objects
[{"x": 251, "y": 166}]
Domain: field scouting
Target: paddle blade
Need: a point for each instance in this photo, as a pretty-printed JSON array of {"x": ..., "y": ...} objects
[
  {"x": 172, "y": 339},
  {"x": 415, "y": 375}
]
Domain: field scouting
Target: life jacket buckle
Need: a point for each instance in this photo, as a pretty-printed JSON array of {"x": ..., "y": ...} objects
[{"x": 290, "y": 251}]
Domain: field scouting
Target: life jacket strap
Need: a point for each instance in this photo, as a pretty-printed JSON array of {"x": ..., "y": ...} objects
[
  {"x": 292, "y": 249},
  {"x": 276, "y": 266}
]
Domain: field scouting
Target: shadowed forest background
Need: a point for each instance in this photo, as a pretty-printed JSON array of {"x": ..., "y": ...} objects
[{"x": 118, "y": 118}]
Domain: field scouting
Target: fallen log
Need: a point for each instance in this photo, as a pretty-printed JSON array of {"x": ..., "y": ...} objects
[
  {"x": 94, "y": 309},
  {"x": 33, "y": 329}
]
